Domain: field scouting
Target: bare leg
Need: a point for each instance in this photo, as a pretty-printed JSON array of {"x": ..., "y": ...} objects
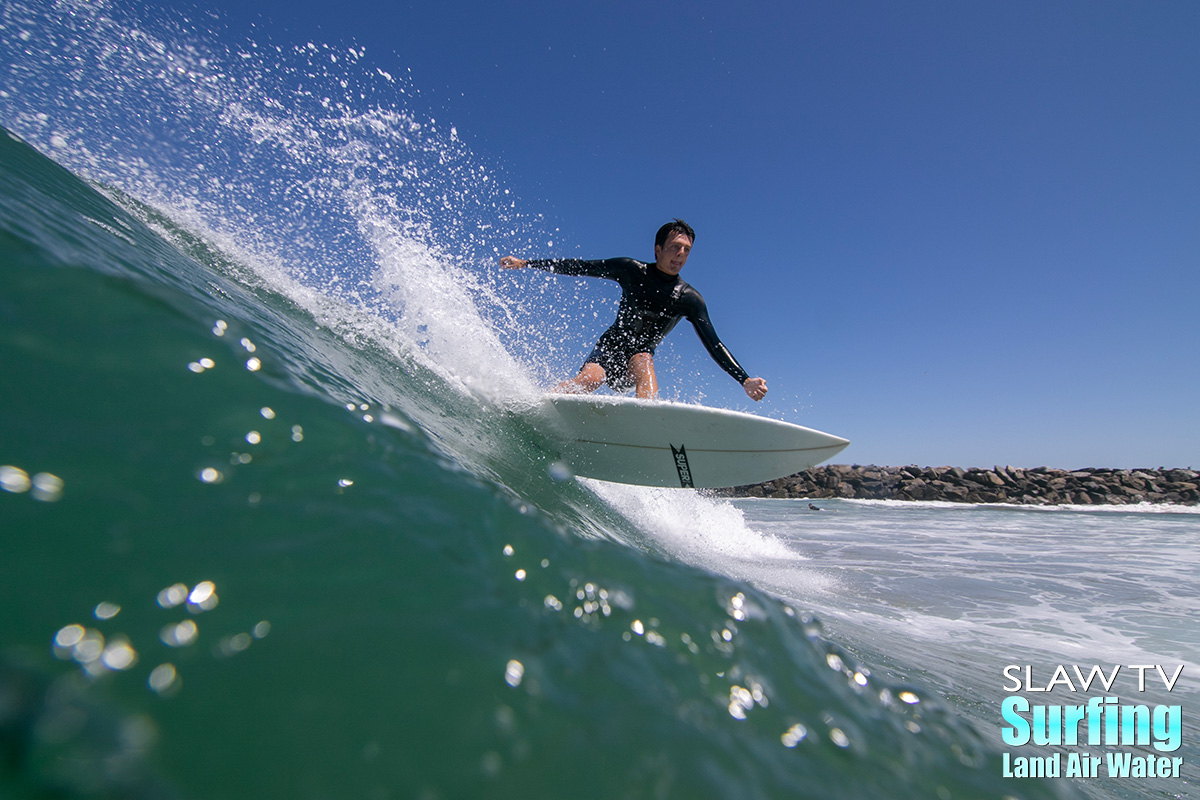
[
  {"x": 641, "y": 369},
  {"x": 588, "y": 380}
]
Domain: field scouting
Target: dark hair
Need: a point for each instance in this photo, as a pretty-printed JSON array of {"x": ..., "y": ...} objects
[{"x": 678, "y": 226}]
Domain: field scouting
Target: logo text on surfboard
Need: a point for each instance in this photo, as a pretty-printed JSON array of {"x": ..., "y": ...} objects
[{"x": 681, "y": 465}]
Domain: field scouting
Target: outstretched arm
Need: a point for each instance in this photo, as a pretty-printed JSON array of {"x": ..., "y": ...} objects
[
  {"x": 612, "y": 268},
  {"x": 756, "y": 388}
]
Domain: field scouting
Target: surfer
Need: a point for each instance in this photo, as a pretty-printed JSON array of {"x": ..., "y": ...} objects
[{"x": 653, "y": 300}]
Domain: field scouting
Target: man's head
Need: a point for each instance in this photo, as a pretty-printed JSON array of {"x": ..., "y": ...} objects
[
  {"x": 675, "y": 226},
  {"x": 672, "y": 245}
]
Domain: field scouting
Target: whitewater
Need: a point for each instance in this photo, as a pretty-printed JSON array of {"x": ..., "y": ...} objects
[{"x": 278, "y": 519}]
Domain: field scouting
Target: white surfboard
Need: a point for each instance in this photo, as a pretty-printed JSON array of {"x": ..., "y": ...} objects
[{"x": 659, "y": 443}]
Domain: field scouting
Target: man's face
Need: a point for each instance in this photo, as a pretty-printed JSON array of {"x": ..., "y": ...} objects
[{"x": 673, "y": 254}]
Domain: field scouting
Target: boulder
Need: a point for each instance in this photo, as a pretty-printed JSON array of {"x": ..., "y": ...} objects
[{"x": 1038, "y": 485}]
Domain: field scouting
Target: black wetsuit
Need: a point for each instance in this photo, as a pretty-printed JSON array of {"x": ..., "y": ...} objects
[{"x": 652, "y": 302}]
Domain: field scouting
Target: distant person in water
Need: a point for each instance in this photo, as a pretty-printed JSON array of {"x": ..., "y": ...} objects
[{"x": 653, "y": 300}]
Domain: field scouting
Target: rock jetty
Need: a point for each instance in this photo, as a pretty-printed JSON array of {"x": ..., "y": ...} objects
[{"x": 1037, "y": 486}]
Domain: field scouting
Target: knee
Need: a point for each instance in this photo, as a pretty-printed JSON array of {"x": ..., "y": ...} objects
[
  {"x": 591, "y": 375},
  {"x": 640, "y": 361}
]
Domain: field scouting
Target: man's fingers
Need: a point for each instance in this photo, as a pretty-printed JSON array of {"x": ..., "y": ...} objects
[{"x": 756, "y": 388}]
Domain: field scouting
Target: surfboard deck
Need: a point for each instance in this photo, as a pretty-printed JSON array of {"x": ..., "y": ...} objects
[{"x": 662, "y": 443}]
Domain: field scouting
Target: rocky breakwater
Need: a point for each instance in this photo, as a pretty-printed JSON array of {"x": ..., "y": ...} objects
[{"x": 1037, "y": 486}]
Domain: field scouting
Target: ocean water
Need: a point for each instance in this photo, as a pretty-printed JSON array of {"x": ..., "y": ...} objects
[{"x": 277, "y": 519}]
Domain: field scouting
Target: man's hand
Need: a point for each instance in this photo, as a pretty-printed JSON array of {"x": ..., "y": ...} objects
[
  {"x": 512, "y": 262},
  {"x": 755, "y": 387}
]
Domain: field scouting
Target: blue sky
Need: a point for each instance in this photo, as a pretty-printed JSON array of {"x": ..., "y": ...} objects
[{"x": 954, "y": 232}]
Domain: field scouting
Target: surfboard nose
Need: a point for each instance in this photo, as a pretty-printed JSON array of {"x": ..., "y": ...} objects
[{"x": 838, "y": 442}]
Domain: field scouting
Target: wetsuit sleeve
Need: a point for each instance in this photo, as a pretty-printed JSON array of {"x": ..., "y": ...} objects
[
  {"x": 697, "y": 314},
  {"x": 611, "y": 268}
]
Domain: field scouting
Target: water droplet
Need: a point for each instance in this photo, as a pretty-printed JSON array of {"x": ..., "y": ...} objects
[
  {"x": 172, "y": 595},
  {"x": 232, "y": 645},
  {"x": 202, "y": 593},
  {"x": 163, "y": 678},
  {"x": 794, "y": 735},
  {"x": 14, "y": 479},
  {"x": 514, "y": 672},
  {"x": 179, "y": 635},
  {"x": 119, "y": 655},
  {"x": 106, "y": 610},
  {"x": 47, "y": 488},
  {"x": 89, "y": 648},
  {"x": 559, "y": 471},
  {"x": 69, "y": 636}
]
